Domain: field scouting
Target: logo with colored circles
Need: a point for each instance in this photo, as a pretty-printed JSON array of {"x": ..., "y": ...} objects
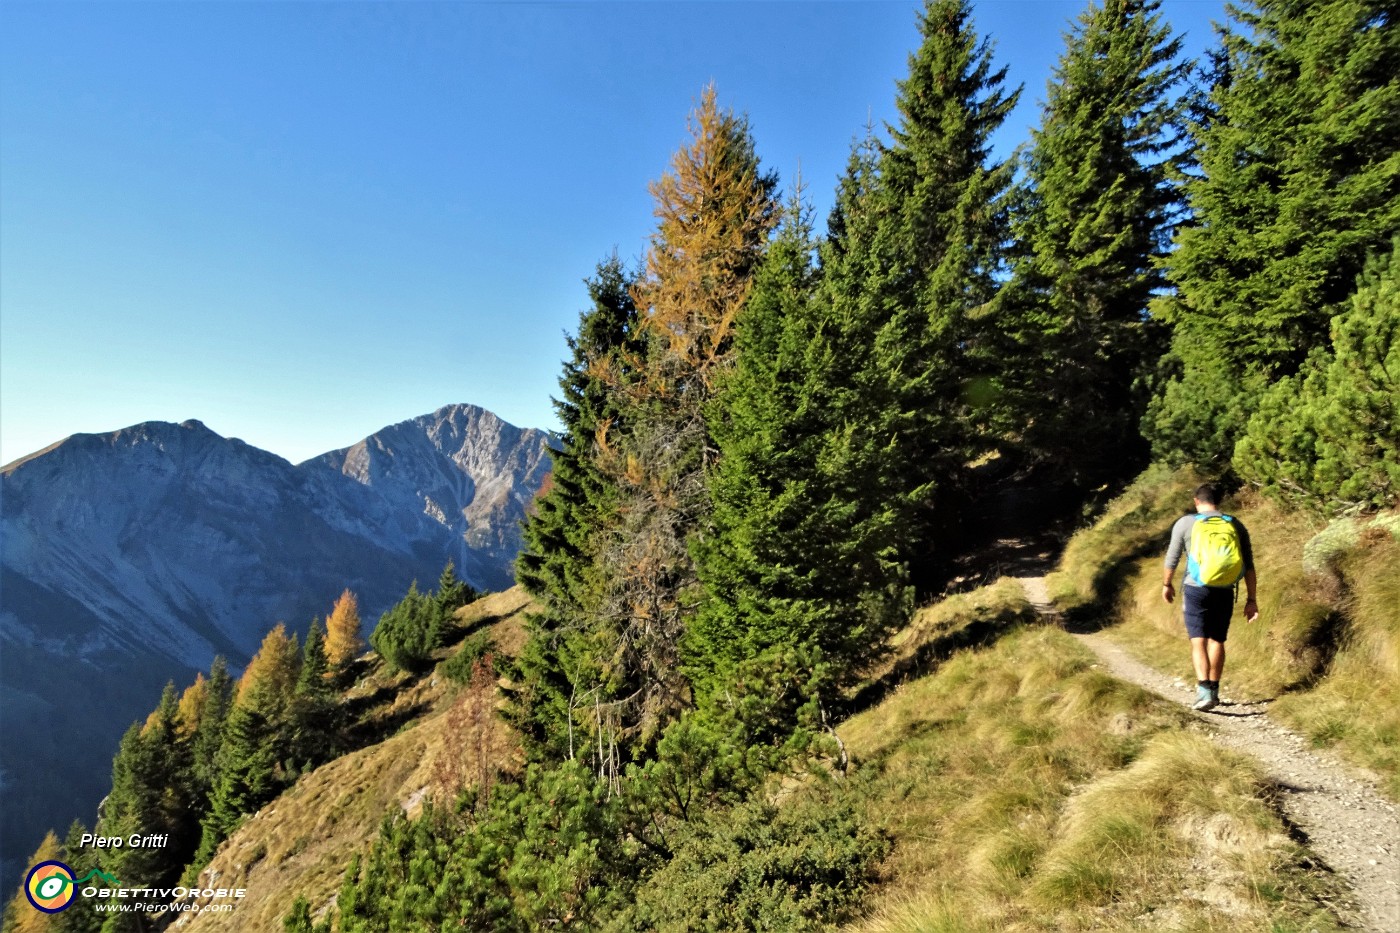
[{"x": 50, "y": 887}]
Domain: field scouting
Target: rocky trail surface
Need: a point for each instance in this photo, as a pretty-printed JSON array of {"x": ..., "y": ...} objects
[{"x": 1338, "y": 813}]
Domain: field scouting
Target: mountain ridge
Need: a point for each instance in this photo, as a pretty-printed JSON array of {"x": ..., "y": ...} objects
[{"x": 134, "y": 556}]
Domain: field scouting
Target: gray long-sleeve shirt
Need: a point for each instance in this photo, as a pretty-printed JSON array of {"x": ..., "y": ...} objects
[{"x": 1182, "y": 530}]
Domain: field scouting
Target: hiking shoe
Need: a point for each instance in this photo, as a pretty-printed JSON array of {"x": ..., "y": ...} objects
[{"x": 1206, "y": 698}]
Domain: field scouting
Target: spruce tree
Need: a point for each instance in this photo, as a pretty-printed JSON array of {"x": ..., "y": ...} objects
[
  {"x": 919, "y": 242},
  {"x": 452, "y": 592},
  {"x": 133, "y": 805},
  {"x": 560, "y": 563},
  {"x": 314, "y": 706},
  {"x": 1092, "y": 232},
  {"x": 209, "y": 732},
  {"x": 152, "y": 794},
  {"x": 248, "y": 777},
  {"x": 1297, "y": 185},
  {"x": 81, "y": 916},
  {"x": 793, "y": 556}
]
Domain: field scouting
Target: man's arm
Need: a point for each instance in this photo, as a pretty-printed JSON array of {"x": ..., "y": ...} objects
[
  {"x": 1178, "y": 544},
  {"x": 1251, "y": 605}
]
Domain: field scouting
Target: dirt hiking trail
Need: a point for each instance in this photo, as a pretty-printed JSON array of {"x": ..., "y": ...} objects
[{"x": 1332, "y": 809}]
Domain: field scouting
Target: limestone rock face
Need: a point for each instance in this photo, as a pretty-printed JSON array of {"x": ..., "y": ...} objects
[
  {"x": 132, "y": 558},
  {"x": 462, "y": 468}
]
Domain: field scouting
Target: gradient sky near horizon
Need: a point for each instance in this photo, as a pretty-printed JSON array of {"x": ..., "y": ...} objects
[{"x": 299, "y": 222}]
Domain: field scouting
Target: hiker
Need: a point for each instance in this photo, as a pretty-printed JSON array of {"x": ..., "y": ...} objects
[{"x": 1218, "y": 555}]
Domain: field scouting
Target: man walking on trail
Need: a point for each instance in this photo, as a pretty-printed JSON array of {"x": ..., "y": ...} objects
[{"x": 1218, "y": 555}]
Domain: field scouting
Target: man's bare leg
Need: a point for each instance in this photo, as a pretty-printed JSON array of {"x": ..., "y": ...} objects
[
  {"x": 1215, "y": 657},
  {"x": 1200, "y": 657}
]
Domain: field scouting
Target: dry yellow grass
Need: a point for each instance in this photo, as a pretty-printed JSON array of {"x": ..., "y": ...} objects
[
  {"x": 1356, "y": 707},
  {"x": 936, "y": 630},
  {"x": 1026, "y": 790},
  {"x": 1134, "y": 525}
]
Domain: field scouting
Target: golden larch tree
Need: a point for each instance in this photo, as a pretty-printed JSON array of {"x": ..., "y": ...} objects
[
  {"x": 714, "y": 211},
  {"x": 343, "y": 641},
  {"x": 191, "y": 704},
  {"x": 714, "y": 208},
  {"x": 268, "y": 681}
]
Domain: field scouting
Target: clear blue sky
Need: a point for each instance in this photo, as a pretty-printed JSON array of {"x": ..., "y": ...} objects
[{"x": 299, "y": 222}]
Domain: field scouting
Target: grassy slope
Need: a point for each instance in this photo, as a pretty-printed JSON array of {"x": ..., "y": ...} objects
[
  {"x": 302, "y": 842},
  {"x": 1326, "y": 647},
  {"x": 1025, "y": 790}
]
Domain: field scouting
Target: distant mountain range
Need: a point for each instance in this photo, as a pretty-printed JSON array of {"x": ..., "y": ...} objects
[{"x": 132, "y": 558}]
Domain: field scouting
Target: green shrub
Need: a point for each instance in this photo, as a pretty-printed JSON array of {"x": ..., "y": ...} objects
[
  {"x": 1329, "y": 438},
  {"x": 801, "y": 866},
  {"x": 458, "y": 668},
  {"x": 543, "y": 853}
]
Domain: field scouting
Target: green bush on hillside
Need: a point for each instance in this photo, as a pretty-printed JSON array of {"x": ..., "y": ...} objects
[
  {"x": 803, "y": 865},
  {"x": 458, "y": 668},
  {"x": 1329, "y": 438},
  {"x": 408, "y": 634}
]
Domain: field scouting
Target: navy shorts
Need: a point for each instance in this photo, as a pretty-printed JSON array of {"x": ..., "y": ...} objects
[{"x": 1207, "y": 610}]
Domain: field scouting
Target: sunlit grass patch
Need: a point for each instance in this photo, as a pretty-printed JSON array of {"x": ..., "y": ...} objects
[
  {"x": 976, "y": 617},
  {"x": 1357, "y": 705},
  {"x": 1027, "y": 790},
  {"x": 971, "y": 766},
  {"x": 1133, "y": 525}
]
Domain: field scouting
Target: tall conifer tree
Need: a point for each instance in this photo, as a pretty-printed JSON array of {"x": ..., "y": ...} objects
[
  {"x": 714, "y": 210},
  {"x": 1299, "y": 181},
  {"x": 920, "y": 239},
  {"x": 209, "y": 733},
  {"x": 313, "y": 703},
  {"x": 791, "y": 556},
  {"x": 1096, "y": 224},
  {"x": 247, "y": 767},
  {"x": 152, "y": 792},
  {"x": 82, "y": 915},
  {"x": 256, "y": 742},
  {"x": 564, "y": 536},
  {"x": 343, "y": 641}
]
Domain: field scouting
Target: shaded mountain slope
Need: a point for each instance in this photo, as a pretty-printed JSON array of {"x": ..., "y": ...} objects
[{"x": 132, "y": 558}]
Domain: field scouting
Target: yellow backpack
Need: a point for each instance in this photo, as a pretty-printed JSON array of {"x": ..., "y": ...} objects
[{"x": 1214, "y": 556}]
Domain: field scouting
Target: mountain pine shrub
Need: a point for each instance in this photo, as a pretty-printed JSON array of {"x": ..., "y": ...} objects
[{"x": 1329, "y": 438}]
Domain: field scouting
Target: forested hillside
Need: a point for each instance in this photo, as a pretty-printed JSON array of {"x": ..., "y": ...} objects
[{"x": 758, "y": 687}]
